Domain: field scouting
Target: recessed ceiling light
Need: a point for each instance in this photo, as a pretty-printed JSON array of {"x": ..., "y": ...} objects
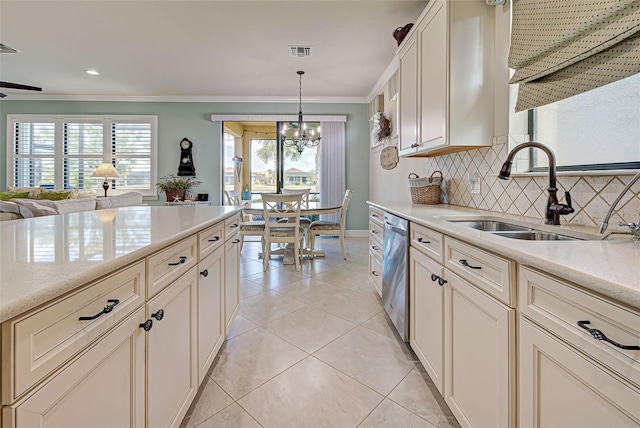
[{"x": 92, "y": 72}]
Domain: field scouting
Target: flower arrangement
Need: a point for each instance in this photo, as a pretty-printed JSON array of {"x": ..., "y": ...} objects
[
  {"x": 176, "y": 187},
  {"x": 381, "y": 127}
]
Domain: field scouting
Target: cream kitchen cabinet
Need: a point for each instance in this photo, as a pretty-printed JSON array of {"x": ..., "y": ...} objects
[
  {"x": 450, "y": 92},
  {"x": 102, "y": 387},
  {"x": 376, "y": 217},
  {"x": 172, "y": 364},
  {"x": 426, "y": 313},
  {"x": 480, "y": 383},
  {"x": 211, "y": 322},
  {"x": 232, "y": 272}
]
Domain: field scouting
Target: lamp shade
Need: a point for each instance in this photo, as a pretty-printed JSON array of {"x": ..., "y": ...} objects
[{"x": 106, "y": 170}]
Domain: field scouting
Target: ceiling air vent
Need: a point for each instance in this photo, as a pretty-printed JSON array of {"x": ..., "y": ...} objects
[
  {"x": 7, "y": 49},
  {"x": 299, "y": 51}
]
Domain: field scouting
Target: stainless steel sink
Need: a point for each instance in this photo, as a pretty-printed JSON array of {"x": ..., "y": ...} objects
[
  {"x": 536, "y": 235},
  {"x": 513, "y": 231},
  {"x": 490, "y": 225}
]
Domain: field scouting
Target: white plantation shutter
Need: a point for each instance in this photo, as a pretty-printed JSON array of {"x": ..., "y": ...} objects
[
  {"x": 564, "y": 48},
  {"x": 63, "y": 152}
]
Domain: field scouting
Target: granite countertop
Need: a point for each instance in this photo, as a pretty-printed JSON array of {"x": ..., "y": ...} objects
[
  {"x": 42, "y": 258},
  {"x": 610, "y": 268}
]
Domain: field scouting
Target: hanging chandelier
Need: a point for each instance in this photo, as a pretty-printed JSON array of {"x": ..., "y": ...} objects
[{"x": 301, "y": 138}]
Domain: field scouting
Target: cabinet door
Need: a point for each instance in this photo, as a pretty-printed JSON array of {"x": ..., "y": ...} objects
[
  {"x": 433, "y": 77},
  {"x": 104, "y": 387},
  {"x": 232, "y": 281},
  {"x": 427, "y": 314},
  {"x": 560, "y": 387},
  {"x": 172, "y": 361},
  {"x": 210, "y": 312},
  {"x": 409, "y": 97},
  {"x": 479, "y": 356}
]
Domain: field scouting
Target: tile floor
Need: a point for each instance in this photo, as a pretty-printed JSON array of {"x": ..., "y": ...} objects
[{"x": 315, "y": 349}]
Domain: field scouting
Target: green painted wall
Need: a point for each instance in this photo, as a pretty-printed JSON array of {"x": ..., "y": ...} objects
[{"x": 193, "y": 120}]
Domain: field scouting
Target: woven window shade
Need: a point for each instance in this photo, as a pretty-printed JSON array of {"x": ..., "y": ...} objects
[{"x": 561, "y": 48}]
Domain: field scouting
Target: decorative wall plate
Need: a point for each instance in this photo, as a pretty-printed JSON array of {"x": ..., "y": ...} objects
[{"x": 389, "y": 157}]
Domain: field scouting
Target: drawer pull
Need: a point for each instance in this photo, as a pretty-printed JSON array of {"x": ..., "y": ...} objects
[
  {"x": 441, "y": 281},
  {"x": 464, "y": 263},
  {"x": 204, "y": 273},
  {"x": 106, "y": 310},
  {"x": 146, "y": 326},
  {"x": 182, "y": 260},
  {"x": 598, "y": 335},
  {"x": 215, "y": 238},
  {"x": 233, "y": 226},
  {"x": 235, "y": 241},
  {"x": 375, "y": 273},
  {"x": 375, "y": 247},
  {"x": 422, "y": 241},
  {"x": 374, "y": 215},
  {"x": 375, "y": 232},
  {"x": 158, "y": 315}
]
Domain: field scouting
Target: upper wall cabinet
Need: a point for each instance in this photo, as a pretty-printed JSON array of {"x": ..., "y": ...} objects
[{"x": 447, "y": 79}]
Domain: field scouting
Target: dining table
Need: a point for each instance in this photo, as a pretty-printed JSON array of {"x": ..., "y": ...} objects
[{"x": 309, "y": 209}]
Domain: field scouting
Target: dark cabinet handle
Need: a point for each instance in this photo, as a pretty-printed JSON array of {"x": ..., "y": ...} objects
[
  {"x": 204, "y": 273},
  {"x": 105, "y": 310},
  {"x": 235, "y": 241},
  {"x": 375, "y": 273},
  {"x": 374, "y": 215},
  {"x": 158, "y": 315},
  {"x": 464, "y": 263},
  {"x": 182, "y": 260},
  {"x": 441, "y": 281},
  {"x": 146, "y": 326},
  {"x": 215, "y": 238},
  {"x": 375, "y": 247},
  {"x": 375, "y": 232},
  {"x": 422, "y": 241},
  {"x": 598, "y": 335},
  {"x": 234, "y": 225}
]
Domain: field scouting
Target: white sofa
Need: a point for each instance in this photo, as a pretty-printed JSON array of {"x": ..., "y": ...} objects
[{"x": 15, "y": 209}]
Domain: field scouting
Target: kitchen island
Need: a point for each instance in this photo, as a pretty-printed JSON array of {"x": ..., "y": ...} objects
[
  {"x": 516, "y": 332},
  {"x": 98, "y": 307}
]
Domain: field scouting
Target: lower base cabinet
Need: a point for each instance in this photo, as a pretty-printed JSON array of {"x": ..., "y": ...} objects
[
  {"x": 480, "y": 336},
  {"x": 172, "y": 359},
  {"x": 104, "y": 387},
  {"x": 561, "y": 387},
  {"x": 232, "y": 281}
]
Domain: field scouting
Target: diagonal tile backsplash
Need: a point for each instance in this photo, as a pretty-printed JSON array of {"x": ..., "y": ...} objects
[{"x": 591, "y": 195}]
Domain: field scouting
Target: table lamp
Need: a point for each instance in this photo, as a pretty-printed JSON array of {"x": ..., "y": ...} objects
[{"x": 106, "y": 171}]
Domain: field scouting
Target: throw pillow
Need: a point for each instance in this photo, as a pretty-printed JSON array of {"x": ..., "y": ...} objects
[
  {"x": 34, "y": 192},
  {"x": 55, "y": 195},
  {"x": 5, "y": 196},
  {"x": 38, "y": 208},
  {"x": 81, "y": 194}
]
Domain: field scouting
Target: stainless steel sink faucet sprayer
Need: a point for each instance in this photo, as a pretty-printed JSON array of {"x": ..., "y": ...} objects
[
  {"x": 553, "y": 210},
  {"x": 634, "y": 228}
]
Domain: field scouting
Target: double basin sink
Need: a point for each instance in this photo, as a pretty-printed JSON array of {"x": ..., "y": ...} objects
[{"x": 513, "y": 231}]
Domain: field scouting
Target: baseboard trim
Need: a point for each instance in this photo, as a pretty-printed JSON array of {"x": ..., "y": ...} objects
[{"x": 356, "y": 233}]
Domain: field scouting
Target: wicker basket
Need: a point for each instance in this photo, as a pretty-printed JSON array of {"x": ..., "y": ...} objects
[
  {"x": 172, "y": 193},
  {"x": 425, "y": 190}
]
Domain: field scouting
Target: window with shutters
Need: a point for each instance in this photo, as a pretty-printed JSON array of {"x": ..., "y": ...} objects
[{"x": 62, "y": 152}]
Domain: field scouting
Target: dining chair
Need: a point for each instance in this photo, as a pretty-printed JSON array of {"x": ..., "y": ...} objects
[
  {"x": 322, "y": 227},
  {"x": 304, "y": 222},
  {"x": 246, "y": 228},
  {"x": 277, "y": 206}
]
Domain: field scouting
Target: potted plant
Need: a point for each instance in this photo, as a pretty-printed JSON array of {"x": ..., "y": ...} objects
[
  {"x": 176, "y": 187},
  {"x": 246, "y": 193}
]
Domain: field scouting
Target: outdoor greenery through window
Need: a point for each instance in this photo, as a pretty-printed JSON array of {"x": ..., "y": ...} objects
[
  {"x": 599, "y": 129},
  {"x": 62, "y": 152}
]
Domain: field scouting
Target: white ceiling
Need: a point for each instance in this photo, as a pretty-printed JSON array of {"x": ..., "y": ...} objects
[{"x": 199, "y": 50}]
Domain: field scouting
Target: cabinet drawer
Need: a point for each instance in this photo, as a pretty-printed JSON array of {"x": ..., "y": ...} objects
[
  {"x": 231, "y": 226},
  {"x": 167, "y": 265},
  {"x": 44, "y": 340},
  {"x": 376, "y": 230},
  {"x": 375, "y": 271},
  {"x": 376, "y": 215},
  {"x": 487, "y": 271},
  {"x": 558, "y": 306},
  {"x": 428, "y": 241},
  {"x": 375, "y": 246},
  {"x": 210, "y": 239}
]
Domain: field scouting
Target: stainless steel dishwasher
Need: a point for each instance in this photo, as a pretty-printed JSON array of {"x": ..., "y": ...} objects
[{"x": 395, "y": 296}]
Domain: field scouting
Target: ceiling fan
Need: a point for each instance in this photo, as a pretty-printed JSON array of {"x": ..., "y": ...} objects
[{"x": 17, "y": 86}]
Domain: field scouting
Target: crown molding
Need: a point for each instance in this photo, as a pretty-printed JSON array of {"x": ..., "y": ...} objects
[
  {"x": 274, "y": 118},
  {"x": 188, "y": 99}
]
